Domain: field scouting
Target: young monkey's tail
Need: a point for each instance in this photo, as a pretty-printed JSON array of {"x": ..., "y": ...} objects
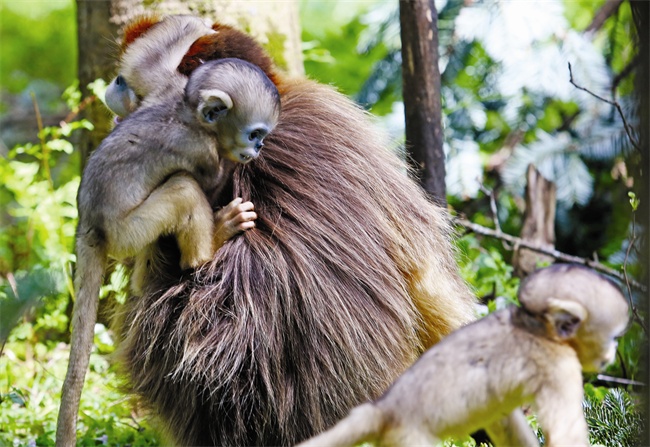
[
  {"x": 364, "y": 424},
  {"x": 91, "y": 262}
]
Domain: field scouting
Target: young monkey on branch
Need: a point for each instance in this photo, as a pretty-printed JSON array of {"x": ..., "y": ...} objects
[
  {"x": 568, "y": 322},
  {"x": 150, "y": 177}
]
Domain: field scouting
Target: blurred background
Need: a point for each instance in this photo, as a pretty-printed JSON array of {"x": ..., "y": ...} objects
[{"x": 508, "y": 103}]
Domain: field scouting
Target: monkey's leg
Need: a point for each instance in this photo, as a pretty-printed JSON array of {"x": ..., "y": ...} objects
[
  {"x": 512, "y": 430},
  {"x": 177, "y": 207}
]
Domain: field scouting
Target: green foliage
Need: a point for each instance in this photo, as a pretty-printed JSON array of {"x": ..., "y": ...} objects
[
  {"x": 629, "y": 360},
  {"x": 332, "y": 54},
  {"x": 487, "y": 271},
  {"x": 613, "y": 417},
  {"x": 31, "y": 375},
  {"x": 36, "y": 239},
  {"x": 38, "y": 192},
  {"x": 26, "y": 291},
  {"x": 37, "y": 42}
]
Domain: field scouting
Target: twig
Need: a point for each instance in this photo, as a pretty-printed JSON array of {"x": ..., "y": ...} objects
[
  {"x": 82, "y": 105},
  {"x": 493, "y": 206},
  {"x": 605, "y": 378},
  {"x": 516, "y": 241},
  {"x": 44, "y": 149},
  {"x": 626, "y": 126},
  {"x": 627, "y": 279}
]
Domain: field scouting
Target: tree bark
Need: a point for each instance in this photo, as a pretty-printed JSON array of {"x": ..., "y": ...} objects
[
  {"x": 641, "y": 14},
  {"x": 421, "y": 92},
  {"x": 96, "y": 60},
  {"x": 539, "y": 223}
]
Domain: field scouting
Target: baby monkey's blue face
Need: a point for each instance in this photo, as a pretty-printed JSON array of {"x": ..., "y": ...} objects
[
  {"x": 237, "y": 102},
  {"x": 120, "y": 98}
]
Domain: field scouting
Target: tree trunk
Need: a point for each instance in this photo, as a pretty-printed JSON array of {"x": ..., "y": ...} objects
[
  {"x": 95, "y": 31},
  {"x": 539, "y": 223},
  {"x": 641, "y": 14},
  {"x": 421, "y": 92},
  {"x": 274, "y": 24}
]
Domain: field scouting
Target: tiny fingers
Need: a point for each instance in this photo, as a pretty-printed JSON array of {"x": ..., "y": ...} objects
[
  {"x": 243, "y": 221},
  {"x": 233, "y": 209},
  {"x": 245, "y": 226},
  {"x": 243, "y": 217},
  {"x": 236, "y": 217}
]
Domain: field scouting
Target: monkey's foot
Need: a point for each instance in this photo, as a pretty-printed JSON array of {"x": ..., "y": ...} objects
[{"x": 232, "y": 219}]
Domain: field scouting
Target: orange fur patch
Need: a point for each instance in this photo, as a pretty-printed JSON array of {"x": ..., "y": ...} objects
[
  {"x": 227, "y": 42},
  {"x": 137, "y": 28}
]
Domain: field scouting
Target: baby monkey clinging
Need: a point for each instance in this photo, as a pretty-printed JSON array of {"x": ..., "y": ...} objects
[
  {"x": 152, "y": 176},
  {"x": 568, "y": 321}
]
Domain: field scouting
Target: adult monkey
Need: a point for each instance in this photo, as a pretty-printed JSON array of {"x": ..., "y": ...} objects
[{"x": 348, "y": 276}]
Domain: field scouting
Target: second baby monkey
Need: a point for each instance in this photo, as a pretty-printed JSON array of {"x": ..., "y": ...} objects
[{"x": 151, "y": 177}]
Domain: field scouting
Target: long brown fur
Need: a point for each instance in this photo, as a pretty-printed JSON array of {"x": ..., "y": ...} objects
[{"x": 348, "y": 276}]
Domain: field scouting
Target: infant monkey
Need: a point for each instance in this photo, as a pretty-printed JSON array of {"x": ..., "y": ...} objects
[
  {"x": 569, "y": 321},
  {"x": 150, "y": 177}
]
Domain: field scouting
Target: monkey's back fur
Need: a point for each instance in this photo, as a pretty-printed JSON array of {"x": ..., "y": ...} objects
[{"x": 347, "y": 277}]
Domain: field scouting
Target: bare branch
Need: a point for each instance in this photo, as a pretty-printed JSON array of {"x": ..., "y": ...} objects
[
  {"x": 606, "y": 11},
  {"x": 518, "y": 242},
  {"x": 626, "y": 126},
  {"x": 493, "y": 206},
  {"x": 619, "y": 380}
]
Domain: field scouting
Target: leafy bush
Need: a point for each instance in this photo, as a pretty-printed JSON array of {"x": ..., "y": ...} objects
[
  {"x": 31, "y": 375},
  {"x": 614, "y": 419}
]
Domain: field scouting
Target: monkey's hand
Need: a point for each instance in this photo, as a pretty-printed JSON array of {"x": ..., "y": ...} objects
[{"x": 232, "y": 219}]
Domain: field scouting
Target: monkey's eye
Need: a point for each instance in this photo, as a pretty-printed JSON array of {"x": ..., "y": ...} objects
[{"x": 257, "y": 134}]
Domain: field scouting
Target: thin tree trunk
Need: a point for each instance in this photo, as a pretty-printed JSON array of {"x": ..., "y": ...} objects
[
  {"x": 641, "y": 14},
  {"x": 95, "y": 32},
  {"x": 605, "y": 12},
  {"x": 539, "y": 223},
  {"x": 421, "y": 92}
]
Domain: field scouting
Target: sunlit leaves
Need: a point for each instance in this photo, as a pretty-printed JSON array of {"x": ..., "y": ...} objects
[
  {"x": 464, "y": 168},
  {"x": 557, "y": 159}
]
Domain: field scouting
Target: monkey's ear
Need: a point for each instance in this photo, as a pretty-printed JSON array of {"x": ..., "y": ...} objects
[
  {"x": 213, "y": 105},
  {"x": 566, "y": 317}
]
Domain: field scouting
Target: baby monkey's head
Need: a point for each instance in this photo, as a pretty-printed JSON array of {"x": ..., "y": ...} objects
[
  {"x": 238, "y": 102},
  {"x": 579, "y": 307}
]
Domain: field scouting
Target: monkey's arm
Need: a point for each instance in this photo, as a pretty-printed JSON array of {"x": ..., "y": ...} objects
[
  {"x": 559, "y": 406},
  {"x": 234, "y": 218}
]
